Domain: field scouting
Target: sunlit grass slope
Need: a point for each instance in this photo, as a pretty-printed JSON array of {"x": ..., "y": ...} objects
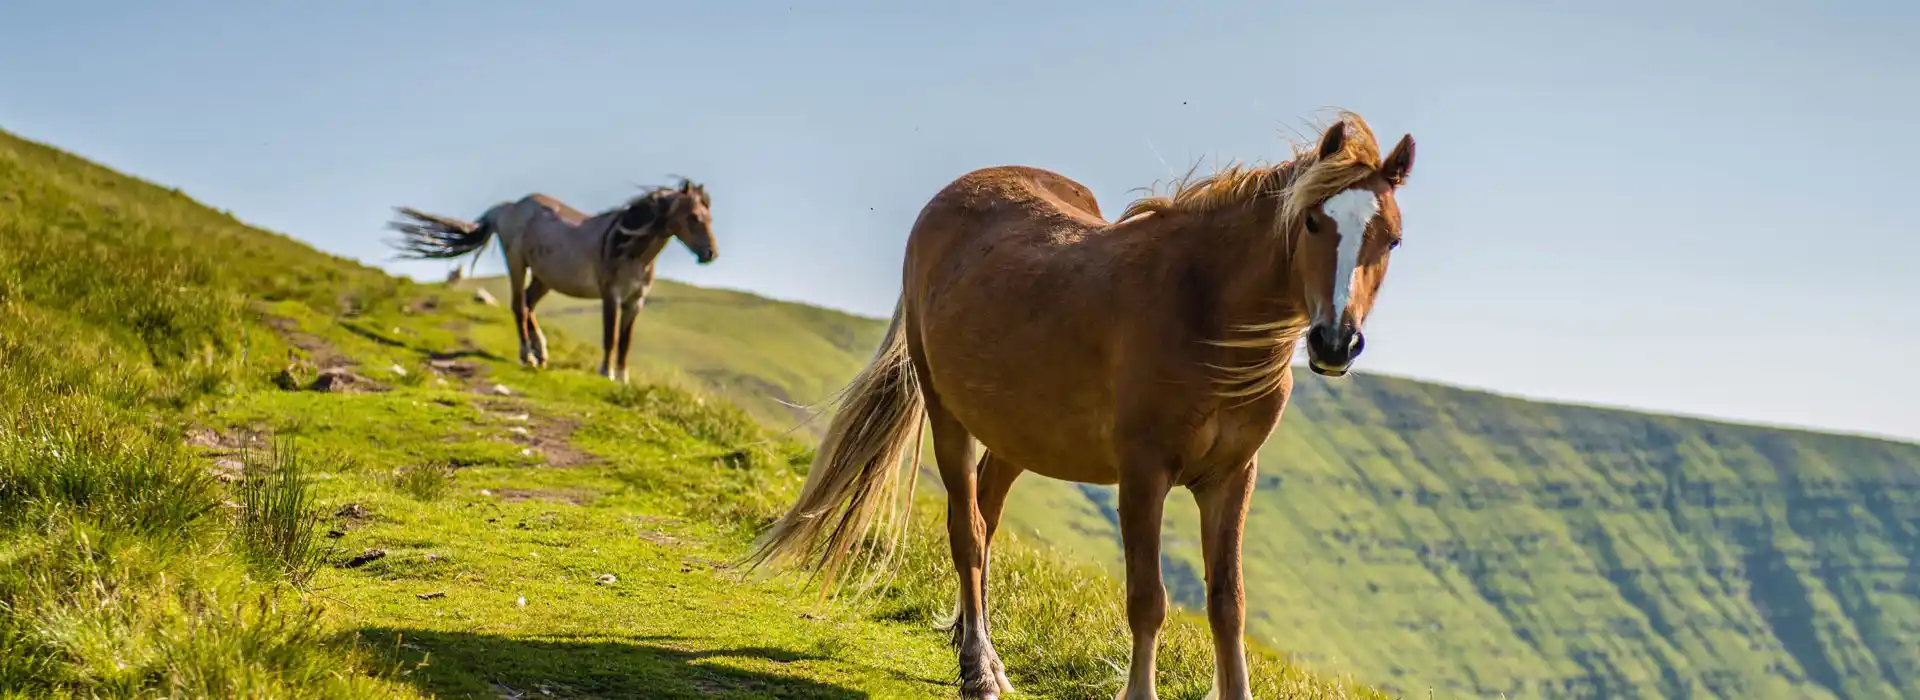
[{"x": 232, "y": 466}]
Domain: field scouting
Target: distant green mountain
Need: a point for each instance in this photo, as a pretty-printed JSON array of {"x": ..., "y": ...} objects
[{"x": 1422, "y": 536}]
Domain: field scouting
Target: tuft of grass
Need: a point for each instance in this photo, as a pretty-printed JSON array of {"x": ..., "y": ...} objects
[
  {"x": 424, "y": 482},
  {"x": 278, "y": 522},
  {"x": 71, "y": 458},
  {"x": 713, "y": 421}
]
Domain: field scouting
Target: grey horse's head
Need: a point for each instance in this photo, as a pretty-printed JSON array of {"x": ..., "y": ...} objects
[{"x": 682, "y": 212}]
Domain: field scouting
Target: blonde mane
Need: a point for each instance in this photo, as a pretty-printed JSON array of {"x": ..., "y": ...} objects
[{"x": 1299, "y": 184}]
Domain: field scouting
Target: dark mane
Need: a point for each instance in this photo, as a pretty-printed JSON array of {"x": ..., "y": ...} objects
[{"x": 656, "y": 200}]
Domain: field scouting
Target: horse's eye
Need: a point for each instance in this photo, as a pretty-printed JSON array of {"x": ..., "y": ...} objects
[
  {"x": 1312, "y": 227},
  {"x": 1395, "y": 243}
]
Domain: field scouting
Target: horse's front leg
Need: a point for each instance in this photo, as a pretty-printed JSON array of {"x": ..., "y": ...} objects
[
  {"x": 609, "y": 318},
  {"x": 1143, "y": 498},
  {"x": 629, "y": 310},
  {"x": 1223, "y": 518}
]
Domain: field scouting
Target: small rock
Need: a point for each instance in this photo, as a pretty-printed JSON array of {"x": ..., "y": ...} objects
[
  {"x": 519, "y": 430},
  {"x": 481, "y": 295},
  {"x": 434, "y": 556},
  {"x": 521, "y": 603},
  {"x": 335, "y": 534},
  {"x": 486, "y": 492},
  {"x": 528, "y": 452},
  {"x": 335, "y": 379},
  {"x": 351, "y": 510},
  {"x": 431, "y": 596},
  {"x": 398, "y": 370},
  {"x": 365, "y": 557},
  {"x": 502, "y": 390},
  {"x": 607, "y": 580}
]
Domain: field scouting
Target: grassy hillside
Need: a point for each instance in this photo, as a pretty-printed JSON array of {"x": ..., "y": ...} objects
[
  {"x": 766, "y": 355},
  {"x": 235, "y": 467},
  {"x": 1422, "y": 536}
]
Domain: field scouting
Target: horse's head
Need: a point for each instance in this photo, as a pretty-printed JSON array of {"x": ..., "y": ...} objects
[
  {"x": 1348, "y": 224},
  {"x": 681, "y": 212}
]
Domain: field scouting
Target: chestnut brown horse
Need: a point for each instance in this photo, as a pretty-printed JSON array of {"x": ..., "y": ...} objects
[{"x": 1150, "y": 352}]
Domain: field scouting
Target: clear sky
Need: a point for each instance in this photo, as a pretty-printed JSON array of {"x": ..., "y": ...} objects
[{"x": 1701, "y": 207}]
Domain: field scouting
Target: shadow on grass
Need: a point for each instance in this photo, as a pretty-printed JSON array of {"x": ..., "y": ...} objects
[
  {"x": 470, "y": 665},
  {"x": 369, "y": 334}
]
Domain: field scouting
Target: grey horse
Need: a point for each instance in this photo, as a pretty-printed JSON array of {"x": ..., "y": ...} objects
[{"x": 552, "y": 247}]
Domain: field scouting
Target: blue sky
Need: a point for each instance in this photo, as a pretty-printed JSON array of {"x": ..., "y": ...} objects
[{"x": 1702, "y": 208}]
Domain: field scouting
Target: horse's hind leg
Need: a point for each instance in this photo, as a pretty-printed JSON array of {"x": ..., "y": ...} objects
[
  {"x": 996, "y": 481},
  {"x": 517, "y": 298},
  {"x": 967, "y": 536},
  {"x": 536, "y": 290}
]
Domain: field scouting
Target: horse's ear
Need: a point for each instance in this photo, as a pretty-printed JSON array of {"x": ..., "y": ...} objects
[
  {"x": 1398, "y": 163},
  {"x": 639, "y": 215},
  {"x": 1334, "y": 139},
  {"x": 686, "y": 186}
]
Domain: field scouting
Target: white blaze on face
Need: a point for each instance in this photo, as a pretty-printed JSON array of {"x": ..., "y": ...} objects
[{"x": 1350, "y": 211}]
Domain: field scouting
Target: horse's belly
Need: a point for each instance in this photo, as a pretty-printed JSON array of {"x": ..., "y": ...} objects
[
  {"x": 565, "y": 271},
  {"x": 1047, "y": 420}
]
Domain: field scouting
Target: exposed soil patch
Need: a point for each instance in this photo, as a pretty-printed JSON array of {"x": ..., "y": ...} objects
[
  {"x": 231, "y": 442},
  {"x": 228, "y": 449},
  {"x": 578, "y": 497},
  {"x": 421, "y": 305},
  {"x": 347, "y": 518},
  {"x": 365, "y": 558},
  {"x": 319, "y": 352},
  {"x": 466, "y": 371},
  {"x": 342, "y": 380},
  {"x": 546, "y": 437}
]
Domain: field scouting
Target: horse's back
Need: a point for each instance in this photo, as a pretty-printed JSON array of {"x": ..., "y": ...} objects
[
  {"x": 558, "y": 208},
  {"x": 1020, "y": 189},
  {"x": 1031, "y": 206},
  {"x": 1010, "y": 310}
]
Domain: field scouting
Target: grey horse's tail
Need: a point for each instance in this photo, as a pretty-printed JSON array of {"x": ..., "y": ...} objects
[{"x": 424, "y": 235}]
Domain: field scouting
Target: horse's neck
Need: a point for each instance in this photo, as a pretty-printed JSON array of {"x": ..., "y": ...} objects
[
  {"x": 636, "y": 258},
  {"x": 1241, "y": 260}
]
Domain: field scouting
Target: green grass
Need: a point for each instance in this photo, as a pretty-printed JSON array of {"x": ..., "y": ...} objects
[
  {"x": 183, "y": 515},
  {"x": 1412, "y": 535}
]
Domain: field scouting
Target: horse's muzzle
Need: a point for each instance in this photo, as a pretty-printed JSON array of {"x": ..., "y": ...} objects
[{"x": 1331, "y": 351}]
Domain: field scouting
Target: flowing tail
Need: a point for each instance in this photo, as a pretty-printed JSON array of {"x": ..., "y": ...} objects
[
  {"x": 424, "y": 235},
  {"x": 855, "y": 475}
]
